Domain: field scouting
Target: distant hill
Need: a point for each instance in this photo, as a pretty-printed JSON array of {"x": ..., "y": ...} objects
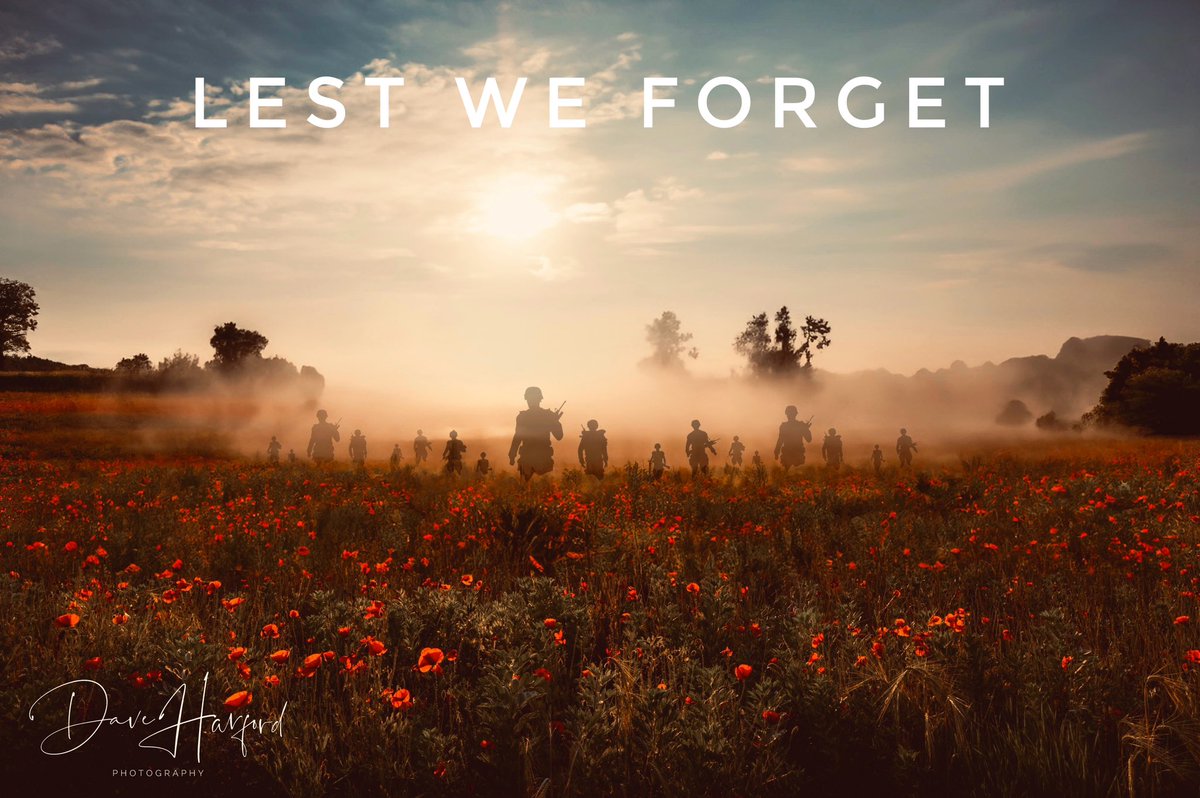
[{"x": 1068, "y": 383}]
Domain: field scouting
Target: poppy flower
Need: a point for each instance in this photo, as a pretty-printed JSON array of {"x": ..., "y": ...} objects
[
  {"x": 550, "y": 623},
  {"x": 270, "y": 630},
  {"x": 743, "y": 672},
  {"x": 236, "y": 653},
  {"x": 239, "y": 699},
  {"x": 430, "y": 660},
  {"x": 770, "y": 716},
  {"x": 281, "y": 655},
  {"x": 67, "y": 621},
  {"x": 400, "y": 699},
  {"x": 1182, "y": 619},
  {"x": 543, "y": 673},
  {"x": 93, "y": 664},
  {"x": 693, "y": 588}
]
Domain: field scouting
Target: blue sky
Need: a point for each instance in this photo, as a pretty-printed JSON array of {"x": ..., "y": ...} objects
[{"x": 491, "y": 256}]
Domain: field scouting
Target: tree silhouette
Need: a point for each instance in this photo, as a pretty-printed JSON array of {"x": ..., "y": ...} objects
[
  {"x": 18, "y": 309},
  {"x": 1156, "y": 390},
  {"x": 233, "y": 347},
  {"x": 777, "y": 354},
  {"x": 668, "y": 342},
  {"x": 138, "y": 364}
]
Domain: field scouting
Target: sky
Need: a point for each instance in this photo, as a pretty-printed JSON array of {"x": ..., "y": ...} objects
[{"x": 431, "y": 256}]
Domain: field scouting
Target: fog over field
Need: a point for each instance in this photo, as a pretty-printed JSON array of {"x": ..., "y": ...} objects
[{"x": 942, "y": 410}]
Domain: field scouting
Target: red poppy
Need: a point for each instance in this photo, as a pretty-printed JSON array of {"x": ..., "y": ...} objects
[
  {"x": 239, "y": 699},
  {"x": 430, "y": 660},
  {"x": 400, "y": 699},
  {"x": 68, "y": 621},
  {"x": 742, "y": 672},
  {"x": 281, "y": 655}
]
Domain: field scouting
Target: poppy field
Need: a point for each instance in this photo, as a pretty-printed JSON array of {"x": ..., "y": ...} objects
[{"x": 1012, "y": 622}]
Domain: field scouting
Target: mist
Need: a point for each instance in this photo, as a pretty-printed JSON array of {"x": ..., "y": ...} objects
[{"x": 943, "y": 411}]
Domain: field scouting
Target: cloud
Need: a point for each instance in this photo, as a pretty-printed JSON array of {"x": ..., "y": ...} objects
[
  {"x": 1107, "y": 258},
  {"x": 20, "y": 46},
  {"x": 1010, "y": 175}
]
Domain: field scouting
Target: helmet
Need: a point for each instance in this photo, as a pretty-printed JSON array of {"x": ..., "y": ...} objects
[
  {"x": 832, "y": 431},
  {"x": 903, "y": 431},
  {"x": 533, "y": 393},
  {"x": 695, "y": 423},
  {"x": 358, "y": 432},
  {"x": 790, "y": 411},
  {"x": 322, "y": 415},
  {"x": 453, "y": 433},
  {"x": 593, "y": 424}
]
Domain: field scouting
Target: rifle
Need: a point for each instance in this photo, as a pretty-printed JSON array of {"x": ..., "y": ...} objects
[{"x": 558, "y": 412}]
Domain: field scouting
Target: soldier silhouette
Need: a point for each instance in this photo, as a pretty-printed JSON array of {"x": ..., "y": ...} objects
[
  {"x": 736, "y": 450},
  {"x": 756, "y": 462},
  {"x": 322, "y": 438},
  {"x": 273, "y": 450},
  {"x": 593, "y": 449},
  {"x": 905, "y": 448},
  {"x": 483, "y": 466},
  {"x": 453, "y": 454},
  {"x": 696, "y": 447},
  {"x": 831, "y": 449},
  {"x": 531, "y": 440},
  {"x": 358, "y": 448},
  {"x": 421, "y": 447},
  {"x": 292, "y": 456},
  {"x": 658, "y": 462},
  {"x": 789, "y": 448},
  {"x": 397, "y": 456},
  {"x": 877, "y": 460}
]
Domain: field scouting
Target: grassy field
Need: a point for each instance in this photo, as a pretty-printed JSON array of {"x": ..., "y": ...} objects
[{"x": 1019, "y": 623}]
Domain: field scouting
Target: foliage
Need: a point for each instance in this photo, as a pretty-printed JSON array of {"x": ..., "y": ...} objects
[
  {"x": 1155, "y": 389},
  {"x": 777, "y": 354},
  {"x": 138, "y": 364},
  {"x": 1016, "y": 626},
  {"x": 668, "y": 342},
  {"x": 234, "y": 347},
  {"x": 18, "y": 312}
]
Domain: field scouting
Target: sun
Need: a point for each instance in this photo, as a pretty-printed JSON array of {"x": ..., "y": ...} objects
[{"x": 513, "y": 208}]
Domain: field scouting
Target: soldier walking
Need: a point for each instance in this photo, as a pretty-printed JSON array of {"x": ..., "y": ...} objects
[
  {"x": 905, "y": 448},
  {"x": 593, "y": 449},
  {"x": 531, "y": 440},
  {"x": 831, "y": 449},
  {"x": 358, "y": 448},
  {"x": 322, "y": 438},
  {"x": 421, "y": 447},
  {"x": 697, "y": 447},
  {"x": 658, "y": 462},
  {"x": 273, "y": 450},
  {"x": 789, "y": 447},
  {"x": 453, "y": 454}
]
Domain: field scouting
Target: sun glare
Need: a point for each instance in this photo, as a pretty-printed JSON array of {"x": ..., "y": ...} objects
[{"x": 514, "y": 209}]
